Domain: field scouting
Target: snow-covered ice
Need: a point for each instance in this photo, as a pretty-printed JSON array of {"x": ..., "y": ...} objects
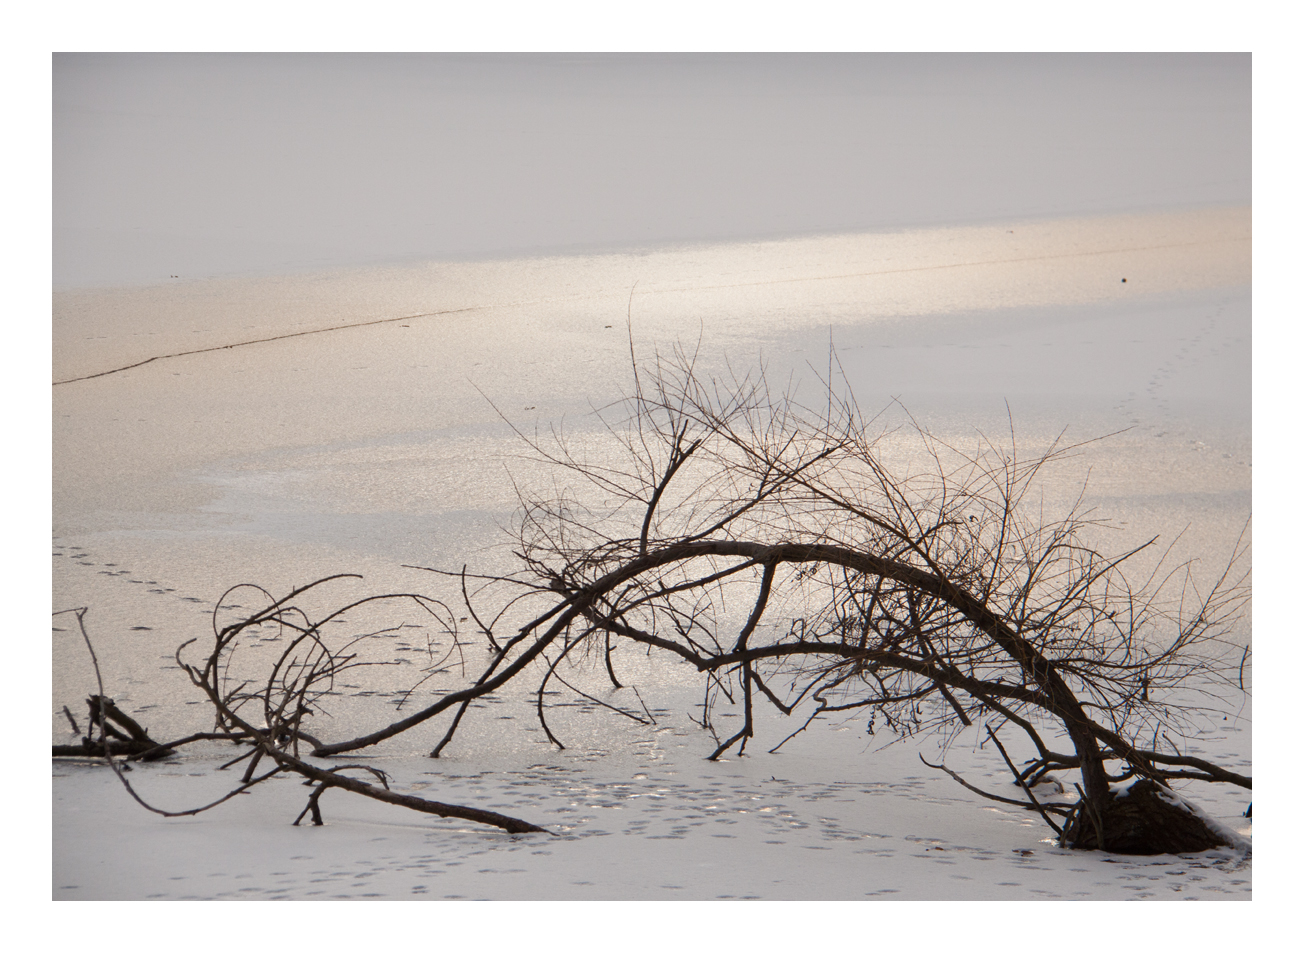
[
  {"x": 375, "y": 445},
  {"x": 1064, "y": 244}
]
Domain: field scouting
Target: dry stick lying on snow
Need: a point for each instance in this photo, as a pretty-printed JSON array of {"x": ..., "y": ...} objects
[{"x": 265, "y": 743}]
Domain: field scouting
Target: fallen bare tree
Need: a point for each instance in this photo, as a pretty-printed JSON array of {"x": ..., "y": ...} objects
[{"x": 933, "y": 599}]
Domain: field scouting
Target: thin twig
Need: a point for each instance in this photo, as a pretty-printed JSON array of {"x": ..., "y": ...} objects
[{"x": 1023, "y": 784}]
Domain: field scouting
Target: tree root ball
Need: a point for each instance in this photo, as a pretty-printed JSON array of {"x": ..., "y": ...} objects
[{"x": 1146, "y": 818}]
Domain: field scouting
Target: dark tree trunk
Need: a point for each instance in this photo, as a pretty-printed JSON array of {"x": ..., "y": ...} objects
[{"x": 1141, "y": 820}]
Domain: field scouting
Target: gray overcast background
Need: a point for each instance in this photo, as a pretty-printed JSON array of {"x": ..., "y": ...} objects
[{"x": 201, "y": 165}]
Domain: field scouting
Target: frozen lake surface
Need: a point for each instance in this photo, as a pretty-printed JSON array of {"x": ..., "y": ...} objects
[
  {"x": 197, "y": 166},
  {"x": 275, "y": 430}
]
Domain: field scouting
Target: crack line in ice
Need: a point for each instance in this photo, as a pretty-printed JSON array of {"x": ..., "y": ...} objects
[{"x": 279, "y": 337}]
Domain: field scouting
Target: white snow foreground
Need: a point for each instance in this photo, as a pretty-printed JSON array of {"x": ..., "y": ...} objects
[{"x": 833, "y": 816}]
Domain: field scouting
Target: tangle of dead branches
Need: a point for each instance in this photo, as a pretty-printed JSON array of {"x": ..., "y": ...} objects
[
  {"x": 932, "y": 595},
  {"x": 265, "y": 717}
]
